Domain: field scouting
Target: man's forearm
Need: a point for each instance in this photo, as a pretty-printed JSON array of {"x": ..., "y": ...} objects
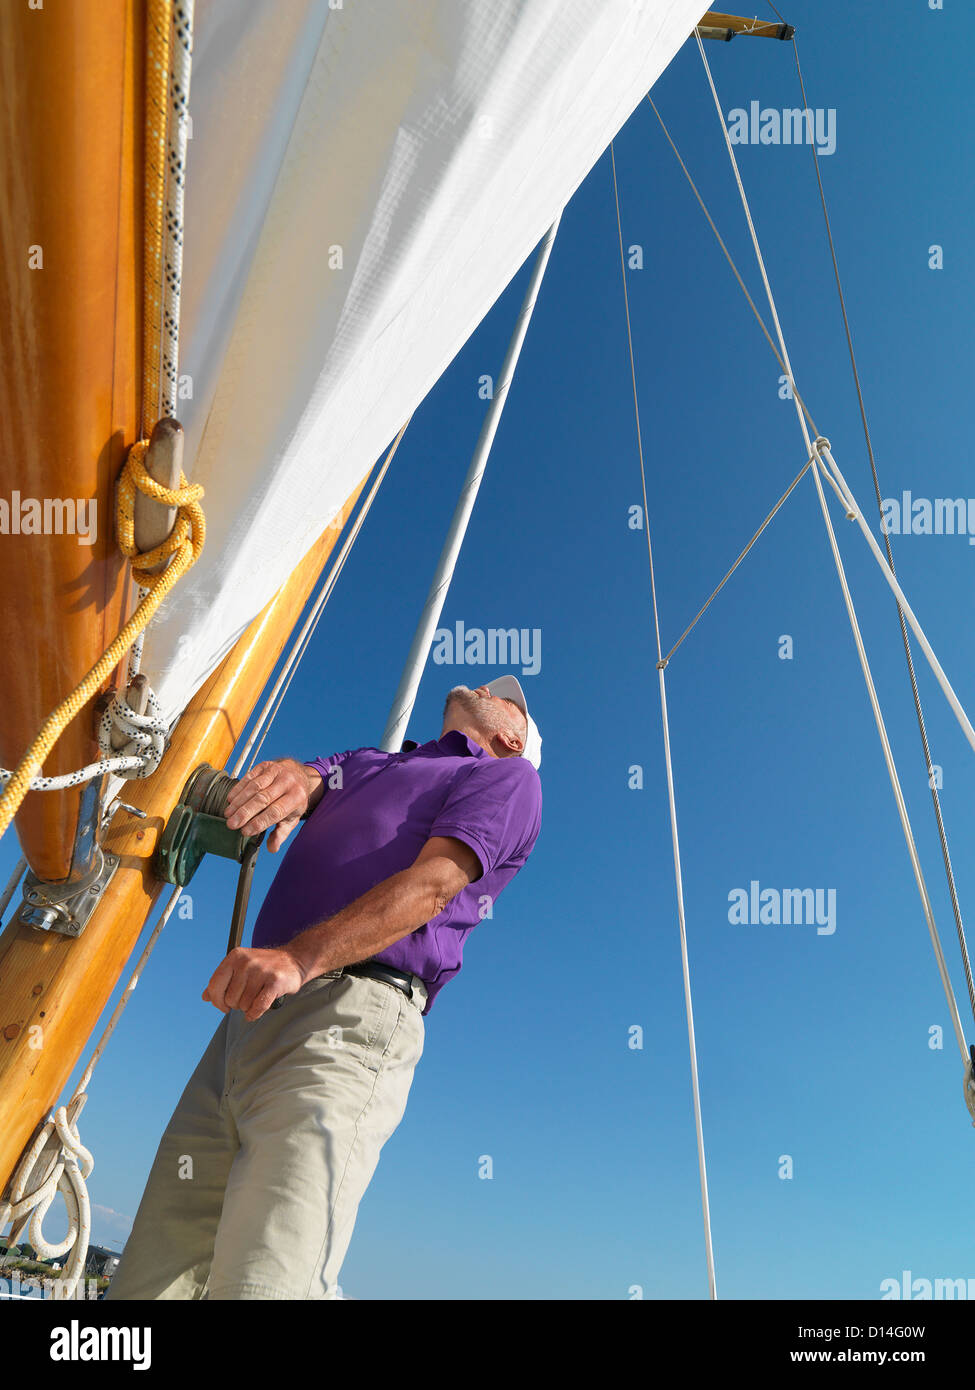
[{"x": 386, "y": 913}]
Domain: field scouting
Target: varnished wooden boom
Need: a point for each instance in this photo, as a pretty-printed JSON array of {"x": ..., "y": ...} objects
[{"x": 753, "y": 28}]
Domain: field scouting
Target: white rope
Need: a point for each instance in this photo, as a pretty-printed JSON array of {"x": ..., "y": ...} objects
[
  {"x": 147, "y": 733},
  {"x": 855, "y": 514},
  {"x": 139, "y": 757},
  {"x": 814, "y": 450},
  {"x": 672, "y": 801},
  {"x": 120, "y": 766},
  {"x": 56, "y": 1161},
  {"x": 686, "y": 971},
  {"x": 177, "y": 130},
  {"x": 894, "y": 780}
]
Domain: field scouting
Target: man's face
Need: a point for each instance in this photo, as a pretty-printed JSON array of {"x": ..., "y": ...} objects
[{"x": 491, "y": 714}]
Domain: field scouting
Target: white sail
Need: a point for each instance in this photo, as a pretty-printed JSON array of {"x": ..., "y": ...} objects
[{"x": 363, "y": 182}]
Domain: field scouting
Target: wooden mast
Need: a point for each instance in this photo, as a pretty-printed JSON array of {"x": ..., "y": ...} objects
[{"x": 71, "y": 106}]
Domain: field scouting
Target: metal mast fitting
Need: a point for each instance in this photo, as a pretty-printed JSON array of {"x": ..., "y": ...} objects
[{"x": 724, "y": 27}]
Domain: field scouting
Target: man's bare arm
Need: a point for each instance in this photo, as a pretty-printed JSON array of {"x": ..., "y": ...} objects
[{"x": 251, "y": 978}]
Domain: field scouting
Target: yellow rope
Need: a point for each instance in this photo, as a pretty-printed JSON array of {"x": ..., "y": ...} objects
[{"x": 184, "y": 545}]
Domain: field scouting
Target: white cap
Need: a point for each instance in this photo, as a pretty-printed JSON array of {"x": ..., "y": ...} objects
[{"x": 509, "y": 689}]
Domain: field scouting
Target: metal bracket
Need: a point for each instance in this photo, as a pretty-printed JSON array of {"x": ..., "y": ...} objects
[{"x": 66, "y": 907}]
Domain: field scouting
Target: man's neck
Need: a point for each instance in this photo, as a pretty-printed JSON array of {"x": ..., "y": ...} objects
[{"x": 473, "y": 734}]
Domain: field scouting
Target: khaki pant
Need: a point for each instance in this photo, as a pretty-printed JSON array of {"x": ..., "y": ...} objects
[{"x": 255, "y": 1187}]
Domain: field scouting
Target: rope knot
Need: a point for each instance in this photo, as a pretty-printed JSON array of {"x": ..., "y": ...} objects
[
  {"x": 146, "y": 734},
  {"x": 185, "y": 541},
  {"x": 820, "y": 446}
]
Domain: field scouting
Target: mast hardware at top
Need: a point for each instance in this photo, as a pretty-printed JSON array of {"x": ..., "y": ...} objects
[
  {"x": 724, "y": 27},
  {"x": 197, "y": 827}
]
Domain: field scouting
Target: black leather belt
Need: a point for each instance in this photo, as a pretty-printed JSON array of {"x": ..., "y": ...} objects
[
  {"x": 377, "y": 970},
  {"x": 373, "y": 970}
]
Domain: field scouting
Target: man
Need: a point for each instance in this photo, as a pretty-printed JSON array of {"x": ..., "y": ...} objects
[{"x": 255, "y": 1187}]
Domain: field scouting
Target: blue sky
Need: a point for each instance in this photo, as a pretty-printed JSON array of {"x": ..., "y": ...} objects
[{"x": 810, "y": 1045}]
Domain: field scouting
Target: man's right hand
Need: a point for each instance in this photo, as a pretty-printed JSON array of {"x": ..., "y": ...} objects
[{"x": 276, "y": 793}]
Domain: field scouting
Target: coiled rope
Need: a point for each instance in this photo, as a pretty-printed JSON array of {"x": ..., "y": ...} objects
[{"x": 57, "y": 1161}]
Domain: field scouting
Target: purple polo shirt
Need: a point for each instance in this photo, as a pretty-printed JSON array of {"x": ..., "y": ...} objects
[{"x": 376, "y": 822}]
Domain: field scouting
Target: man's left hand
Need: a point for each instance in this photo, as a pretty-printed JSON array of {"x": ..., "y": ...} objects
[{"x": 250, "y": 978}]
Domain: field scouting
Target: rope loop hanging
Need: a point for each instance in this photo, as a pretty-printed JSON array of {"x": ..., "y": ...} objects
[{"x": 56, "y": 1161}]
